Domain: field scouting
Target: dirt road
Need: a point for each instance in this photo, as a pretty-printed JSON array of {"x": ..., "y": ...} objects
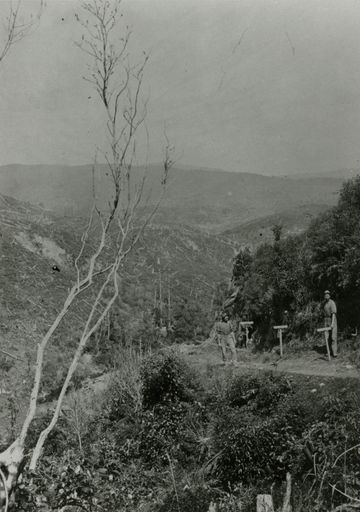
[{"x": 305, "y": 363}]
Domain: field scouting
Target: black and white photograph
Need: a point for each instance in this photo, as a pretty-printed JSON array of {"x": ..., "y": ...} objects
[{"x": 179, "y": 255}]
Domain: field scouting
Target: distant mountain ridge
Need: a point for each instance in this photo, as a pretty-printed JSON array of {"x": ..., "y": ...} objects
[
  {"x": 344, "y": 174},
  {"x": 212, "y": 200},
  {"x": 255, "y": 232}
]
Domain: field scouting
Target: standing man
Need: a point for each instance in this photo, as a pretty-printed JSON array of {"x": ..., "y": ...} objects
[
  {"x": 330, "y": 321},
  {"x": 225, "y": 334}
]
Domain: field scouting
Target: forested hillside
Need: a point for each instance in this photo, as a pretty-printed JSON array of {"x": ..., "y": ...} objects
[{"x": 290, "y": 273}]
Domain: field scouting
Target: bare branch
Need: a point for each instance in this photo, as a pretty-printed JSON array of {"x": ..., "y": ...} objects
[
  {"x": 84, "y": 238},
  {"x": 10, "y": 355},
  {"x": 351, "y": 498},
  {"x": 17, "y": 30},
  {"x": 345, "y": 452}
]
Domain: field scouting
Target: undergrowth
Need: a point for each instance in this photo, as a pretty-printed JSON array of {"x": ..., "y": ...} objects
[{"x": 163, "y": 439}]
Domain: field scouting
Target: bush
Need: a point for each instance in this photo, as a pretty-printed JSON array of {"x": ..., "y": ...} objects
[
  {"x": 166, "y": 377},
  {"x": 72, "y": 482},
  {"x": 6, "y": 364},
  {"x": 59, "y": 440},
  {"x": 324, "y": 457},
  {"x": 124, "y": 393},
  {"x": 306, "y": 319},
  {"x": 166, "y": 434},
  {"x": 262, "y": 392},
  {"x": 252, "y": 449},
  {"x": 195, "y": 499}
]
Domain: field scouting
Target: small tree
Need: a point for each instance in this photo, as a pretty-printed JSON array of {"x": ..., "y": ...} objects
[{"x": 119, "y": 226}]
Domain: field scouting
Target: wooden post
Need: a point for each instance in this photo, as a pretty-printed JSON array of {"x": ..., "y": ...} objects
[
  {"x": 280, "y": 329},
  {"x": 264, "y": 503},
  {"x": 286, "y": 504},
  {"x": 326, "y": 330},
  {"x": 246, "y": 325}
]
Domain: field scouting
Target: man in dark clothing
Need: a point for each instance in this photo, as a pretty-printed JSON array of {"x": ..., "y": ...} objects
[{"x": 330, "y": 321}]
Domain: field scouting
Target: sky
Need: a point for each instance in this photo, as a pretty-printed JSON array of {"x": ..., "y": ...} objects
[{"x": 258, "y": 86}]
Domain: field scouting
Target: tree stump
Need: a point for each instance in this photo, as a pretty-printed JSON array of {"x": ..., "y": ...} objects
[{"x": 264, "y": 503}]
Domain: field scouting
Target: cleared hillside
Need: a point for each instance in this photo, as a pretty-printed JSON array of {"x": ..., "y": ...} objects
[{"x": 33, "y": 240}]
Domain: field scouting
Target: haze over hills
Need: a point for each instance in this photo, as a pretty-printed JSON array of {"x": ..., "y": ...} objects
[
  {"x": 293, "y": 221},
  {"x": 344, "y": 174},
  {"x": 212, "y": 200}
]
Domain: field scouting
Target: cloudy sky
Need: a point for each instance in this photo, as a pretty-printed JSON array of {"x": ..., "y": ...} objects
[{"x": 266, "y": 86}]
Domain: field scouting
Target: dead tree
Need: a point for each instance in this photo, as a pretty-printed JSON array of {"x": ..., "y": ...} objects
[
  {"x": 119, "y": 225},
  {"x": 16, "y": 27}
]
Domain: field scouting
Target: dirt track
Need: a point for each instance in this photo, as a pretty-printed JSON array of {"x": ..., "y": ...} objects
[{"x": 309, "y": 363}]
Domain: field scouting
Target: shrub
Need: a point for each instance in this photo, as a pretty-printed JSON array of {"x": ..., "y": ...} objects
[
  {"x": 166, "y": 377},
  {"x": 306, "y": 319},
  {"x": 6, "y": 364},
  {"x": 239, "y": 498},
  {"x": 71, "y": 482},
  {"x": 262, "y": 392},
  {"x": 165, "y": 433},
  {"x": 124, "y": 393},
  {"x": 196, "y": 499},
  {"x": 53, "y": 377},
  {"x": 314, "y": 401},
  {"x": 252, "y": 448},
  {"x": 325, "y": 459},
  {"x": 60, "y": 439}
]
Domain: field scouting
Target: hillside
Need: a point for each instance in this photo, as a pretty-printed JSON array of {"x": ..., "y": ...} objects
[
  {"x": 33, "y": 240},
  {"x": 258, "y": 231},
  {"x": 212, "y": 200},
  {"x": 344, "y": 174}
]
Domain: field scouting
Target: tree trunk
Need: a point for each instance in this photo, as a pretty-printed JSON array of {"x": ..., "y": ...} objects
[{"x": 10, "y": 461}]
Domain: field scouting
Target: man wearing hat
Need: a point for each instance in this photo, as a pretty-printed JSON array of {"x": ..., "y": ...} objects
[
  {"x": 226, "y": 338},
  {"x": 330, "y": 321}
]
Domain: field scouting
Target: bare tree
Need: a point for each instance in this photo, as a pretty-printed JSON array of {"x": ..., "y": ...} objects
[
  {"x": 16, "y": 27},
  {"x": 119, "y": 226}
]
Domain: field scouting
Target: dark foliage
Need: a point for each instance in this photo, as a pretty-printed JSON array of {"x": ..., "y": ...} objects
[
  {"x": 166, "y": 377},
  {"x": 260, "y": 392},
  {"x": 283, "y": 282},
  {"x": 164, "y": 435},
  {"x": 195, "y": 499}
]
